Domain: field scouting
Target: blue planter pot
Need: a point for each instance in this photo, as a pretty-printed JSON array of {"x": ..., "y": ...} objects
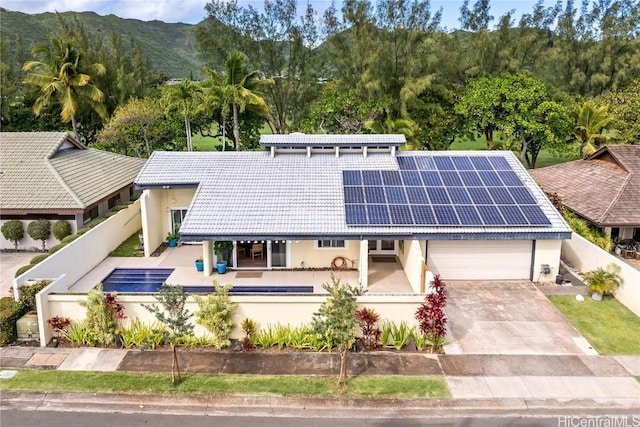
[
  {"x": 222, "y": 267},
  {"x": 172, "y": 243},
  {"x": 199, "y": 266}
]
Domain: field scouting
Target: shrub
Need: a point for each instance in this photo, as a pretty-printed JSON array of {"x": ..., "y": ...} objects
[
  {"x": 395, "y": 335},
  {"x": 28, "y": 294},
  {"x": 10, "y": 312},
  {"x": 70, "y": 238},
  {"x": 56, "y": 248},
  {"x": 38, "y": 259},
  {"x": 367, "y": 319},
  {"x": 603, "y": 281},
  {"x": 79, "y": 334},
  {"x": 142, "y": 335},
  {"x": 589, "y": 232},
  {"x": 23, "y": 269},
  {"x": 61, "y": 229},
  {"x": 249, "y": 327},
  {"x": 101, "y": 320},
  {"x": 431, "y": 316},
  {"x": 59, "y": 324},
  {"x": 216, "y": 314},
  {"x": 39, "y": 229},
  {"x": 13, "y": 231}
]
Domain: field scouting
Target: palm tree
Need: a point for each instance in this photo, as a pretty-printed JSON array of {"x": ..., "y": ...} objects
[
  {"x": 240, "y": 90},
  {"x": 60, "y": 74},
  {"x": 591, "y": 122},
  {"x": 388, "y": 125},
  {"x": 184, "y": 95}
]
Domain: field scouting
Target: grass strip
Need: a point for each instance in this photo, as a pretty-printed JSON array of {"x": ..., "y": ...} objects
[
  {"x": 610, "y": 327},
  {"x": 202, "y": 384},
  {"x": 129, "y": 248}
]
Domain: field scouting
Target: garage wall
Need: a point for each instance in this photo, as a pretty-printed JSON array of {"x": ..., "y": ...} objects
[
  {"x": 480, "y": 259},
  {"x": 547, "y": 252}
]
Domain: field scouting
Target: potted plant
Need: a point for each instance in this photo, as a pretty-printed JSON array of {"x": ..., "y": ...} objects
[
  {"x": 603, "y": 281},
  {"x": 199, "y": 265},
  {"x": 222, "y": 249},
  {"x": 172, "y": 238}
]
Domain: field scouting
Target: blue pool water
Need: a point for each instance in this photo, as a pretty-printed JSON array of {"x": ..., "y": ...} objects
[{"x": 150, "y": 280}]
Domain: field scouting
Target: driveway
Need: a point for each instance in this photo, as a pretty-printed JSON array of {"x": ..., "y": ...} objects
[
  {"x": 508, "y": 318},
  {"x": 10, "y": 262}
]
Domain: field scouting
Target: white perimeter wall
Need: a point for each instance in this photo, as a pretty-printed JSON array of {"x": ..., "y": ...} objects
[
  {"x": 585, "y": 256},
  {"x": 270, "y": 309}
]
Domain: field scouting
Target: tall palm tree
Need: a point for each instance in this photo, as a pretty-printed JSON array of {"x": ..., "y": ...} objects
[
  {"x": 591, "y": 122},
  {"x": 241, "y": 90},
  {"x": 184, "y": 95},
  {"x": 60, "y": 74}
]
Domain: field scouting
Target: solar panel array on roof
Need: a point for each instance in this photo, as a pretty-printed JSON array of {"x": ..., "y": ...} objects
[{"x": 442, "y": 191}]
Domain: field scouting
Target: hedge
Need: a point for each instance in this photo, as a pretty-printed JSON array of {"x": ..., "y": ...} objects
[{"x": 10, "y": 312}]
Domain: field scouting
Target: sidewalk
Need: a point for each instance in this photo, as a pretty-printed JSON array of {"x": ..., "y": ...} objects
[{"x": 475, "y": 381}]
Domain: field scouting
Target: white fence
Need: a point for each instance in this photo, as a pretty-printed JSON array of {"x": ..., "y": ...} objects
[{"x": 585, "y": 256}]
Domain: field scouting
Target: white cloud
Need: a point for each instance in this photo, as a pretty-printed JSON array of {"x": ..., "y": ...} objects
[{"x": 189, "y": 11}]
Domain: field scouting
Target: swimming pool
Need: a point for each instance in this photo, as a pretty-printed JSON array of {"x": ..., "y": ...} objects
[{"x": 150, "y": 280}]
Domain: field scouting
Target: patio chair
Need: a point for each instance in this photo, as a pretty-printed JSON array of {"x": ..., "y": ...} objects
[{"x": 256, "y": 249}]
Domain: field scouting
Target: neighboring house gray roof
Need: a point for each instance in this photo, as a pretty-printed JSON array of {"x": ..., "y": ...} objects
[
  {"x": 325, "y": 140},
  {"x": 53, "y": 172},
  {"x": 604, "y": 188},
  {"x": 242, "y": 195}
]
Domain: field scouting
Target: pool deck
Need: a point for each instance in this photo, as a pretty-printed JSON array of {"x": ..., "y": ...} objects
[{"x": 384, "y": 278}]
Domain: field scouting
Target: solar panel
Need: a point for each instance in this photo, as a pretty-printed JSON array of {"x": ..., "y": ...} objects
[
  {"x": 480, "y": 196},
  {"x": 500, "y": 196},
  {"x": 374, "y": 195},
  {"x": 425, "y": 163},
  {"x": 431, "y": 178},
  {"x": 468, "y": 215},
  {"x": 355, "y": 214},
  {"x": 378, "y": 214},
  {"x": 510, "y": 179},
  {"x": 353, "y": 195},
  {"x": 534, "y": 215},
  {"x": 391, "y": 178},
  {"x": 407, "y": 163},
  {"x": 459, "y": 195},
  {"x": 490, "y": 178},
  {"x": 411, "y": 178},
  {"x": 499, "y": 163},
  {"x": 396, "y": 195},
  {"x": 351, "y": 178},
  {"x": 481, "y": 163},
  {"x": 417, "y": 196},
  {"x": 513, "y": 215},
  {"x": 451, "y": 178},
  {"x": 521, "y": 195},
  {"x": 371, "y": 178},
  {"x": 400, "y": 214},
  {"x": 445, "y": 215},
  {"x": 462, "y": 163},
  {"x": 423, "y": 215},
  {"x": 490, "y": 215},
  {"x": 438, "y": 195},
  {"x": 470, "y": 178},
  {"x": 444, "y": 163}
]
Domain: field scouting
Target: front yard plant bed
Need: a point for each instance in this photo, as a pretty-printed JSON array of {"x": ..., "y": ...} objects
[
  {"x": 610, "y": 327},
  {"x": 220, "y": 385}
]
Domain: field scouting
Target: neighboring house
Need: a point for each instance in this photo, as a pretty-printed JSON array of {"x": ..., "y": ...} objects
[
  {"x": 604, "y": 188},
  {"x": 308, "y": 199},
  {"x": 50, "y": 175}
]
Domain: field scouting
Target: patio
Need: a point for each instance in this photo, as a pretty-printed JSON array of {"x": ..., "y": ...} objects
[{"x": 384, "y": 277}]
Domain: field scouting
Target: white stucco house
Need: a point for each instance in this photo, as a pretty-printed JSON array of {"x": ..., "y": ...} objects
[{"x": 307, "y": 199}]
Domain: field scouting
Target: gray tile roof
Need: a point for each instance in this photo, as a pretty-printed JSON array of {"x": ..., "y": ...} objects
[
  {"x": 49, "y": 170},
  {"x": 246, "y": 194},
  {"x": 604, "y": 188},
  {"x": 326, "y": 140}
]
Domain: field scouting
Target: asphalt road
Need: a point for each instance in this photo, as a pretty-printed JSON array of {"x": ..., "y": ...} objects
[{"x": 20, "y": 418}]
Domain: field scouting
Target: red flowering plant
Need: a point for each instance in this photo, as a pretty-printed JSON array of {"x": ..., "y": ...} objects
[{"x": 431, "y": 316}]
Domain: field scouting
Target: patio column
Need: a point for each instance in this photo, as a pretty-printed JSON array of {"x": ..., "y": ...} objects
[
  {"x": 363, "y": 263},
  {"x": 207, "y": 257}
]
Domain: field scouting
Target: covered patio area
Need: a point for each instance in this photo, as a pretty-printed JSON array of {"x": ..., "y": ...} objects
[{"x": 384, "y": 277}]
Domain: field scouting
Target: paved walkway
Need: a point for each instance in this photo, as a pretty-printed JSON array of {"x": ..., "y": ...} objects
[{"x": 538, "y": 380}]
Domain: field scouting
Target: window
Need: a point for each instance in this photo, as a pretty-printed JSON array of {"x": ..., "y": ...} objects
[
  {"x": 177, "y": 215},
  {"x": 328, "y": 244},
  {"x": 90, "y": 214},
  {"x": 114, "y": 201}
]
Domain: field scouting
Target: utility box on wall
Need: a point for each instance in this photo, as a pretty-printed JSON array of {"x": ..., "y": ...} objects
[{"x": 27, "y": 327}]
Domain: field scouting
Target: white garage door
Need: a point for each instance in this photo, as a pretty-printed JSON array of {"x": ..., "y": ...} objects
[{"x": 480, "y": 260}]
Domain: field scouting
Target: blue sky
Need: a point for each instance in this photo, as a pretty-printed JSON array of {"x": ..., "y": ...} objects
[{"x": 192, "y": 11}]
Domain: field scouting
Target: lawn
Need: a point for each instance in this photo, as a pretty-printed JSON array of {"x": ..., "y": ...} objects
[
  {"x": 201, "y": 384},
  {"x": 130, "y": 247},
  {"x": 610, "y": 327}
]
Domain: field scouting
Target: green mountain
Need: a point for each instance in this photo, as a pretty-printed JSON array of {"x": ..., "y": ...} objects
[{"x": 170, "y": 47}]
